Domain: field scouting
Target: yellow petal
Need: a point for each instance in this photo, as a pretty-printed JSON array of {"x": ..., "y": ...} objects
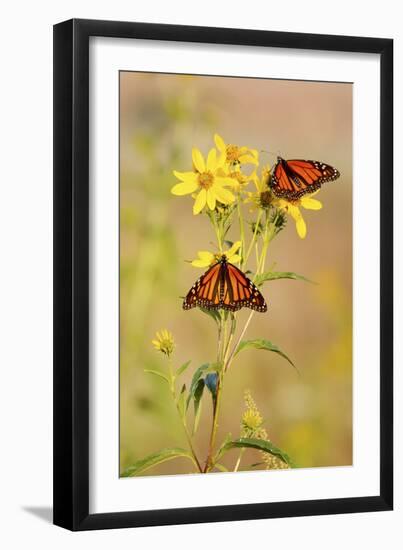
[
  {"x": 234, "y": 248},
  {"x": 223, "y": 195},
  {"x": 205, "y": 255},
  {"x": 212, "y": 160},
  {"x": 301, "y": 227},
  {"x": 200, "y": 202},
  {"x": 221, "y": 180},
  {"x": 218, "y": 140},
  {"x": 256, "y": 181},
  {"x": 184, "y": 188},
  {"x": 221, "y": 161},
  {"x": 211, "y": 199},
  {"x": 198, "y": 160},
  {"x": 255, "y": 153},
  {"x": 311, "y": 204},
  {"x": 235, "y": 258},
  {"x": 293, "y": 211},
  {"x": 185, "y": 176},
  {"x": 205, "y": 259},
  {"x": 200, "y": 263},
  {"x": 246, "y": 159}
]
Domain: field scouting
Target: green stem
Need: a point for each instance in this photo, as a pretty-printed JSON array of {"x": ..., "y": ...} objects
[
  {"x": 209, "y": 462},
  {"x": 216, "y": 402},
  {"x": 238, "y": 462},
  {"x": 231, "y": 335},
  {"x": 260, "y": 268},
  {"x": 217, "y": 231},
  {"x": 242, "y": 229},
  {"x": 254, "y": 236},
  {"x": 183, "y": 419}
]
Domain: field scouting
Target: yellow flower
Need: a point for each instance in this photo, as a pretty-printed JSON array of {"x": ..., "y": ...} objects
[
  {"x": 233, "y": 154},
  {"x": 251, "y": 419},
  {"x": 262, "y": 197},
  {"x": 240, "y": 180},
  {"x": 207, "y": 181},
  {"x": 206, "y": 259},
  {"x": 164, "y": 342},
  {"x": 292, "y": 208},
  {"x": 252, "y": 426}
]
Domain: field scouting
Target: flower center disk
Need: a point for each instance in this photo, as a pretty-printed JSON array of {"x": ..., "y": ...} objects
[
  {"x": 206, "y": 180},
  {"x": 232, "y": 153},
  {"x": 265, "y": 199}
]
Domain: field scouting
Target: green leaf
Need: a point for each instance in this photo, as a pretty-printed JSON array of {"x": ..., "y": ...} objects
[
  {"x": 261, "y": 343},
  {"x": 256, "y": 464},
  {"x": 222, "y": 449},
  {"x": 196, "y": 377},
  {"x": 157, "y": 373},
  {"x": 220, "y": 467},
  {"x": 211, "y": 382},
  {"x": 197, "y": 403},
  {"x": 182, "y": 368},
  {"x": 181, "y": 402},
  {"x": 213, "y": 313},
  {"x": 154, "y": 459},
  {"x": 261, "y": 445},
  {"x": 274, "y": 275}
]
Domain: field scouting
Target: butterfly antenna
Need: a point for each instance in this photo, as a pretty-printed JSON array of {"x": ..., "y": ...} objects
[{"x": 268, "y": 152}]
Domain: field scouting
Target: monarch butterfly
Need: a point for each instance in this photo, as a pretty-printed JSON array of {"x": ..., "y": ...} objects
[
  {"x": 224, "y": 286},
  {"x": 293, "y": 178}
]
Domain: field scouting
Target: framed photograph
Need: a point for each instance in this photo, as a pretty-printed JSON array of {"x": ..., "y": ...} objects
[{"x": 223, "y": 318}]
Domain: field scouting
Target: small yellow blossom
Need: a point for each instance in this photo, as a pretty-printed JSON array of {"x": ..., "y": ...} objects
[
  {"x": 262, "y": 197},
  {"x": 207, "y": 182},
  {"x": 292, "y": 208},
  {"x": 251, "y": 419},
  {"x": 164, "y": 342},
  {"x": 233, "y": 154},
  {"x": 240, "y": 180},
  {"x": 252, "y": 427},
  {"x": 206, "y": 259}
]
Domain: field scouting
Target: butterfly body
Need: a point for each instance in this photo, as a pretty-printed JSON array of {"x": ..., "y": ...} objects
[
  {"x": 224, "y": 286},
  {"x": 292, "y": 179}
]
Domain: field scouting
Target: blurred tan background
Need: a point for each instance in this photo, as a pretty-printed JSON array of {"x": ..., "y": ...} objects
[{"x": 161, "y": 118}]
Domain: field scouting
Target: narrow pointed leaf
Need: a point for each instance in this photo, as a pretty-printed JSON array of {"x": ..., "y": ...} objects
[
  {"x": 181, "y": 401},
  {"x": 157, "y": 373},
  {"x": 211, "y": 383},
  {"x": 220, "y": 467},
  {"x": 261, "y": 343},
  {"x": 274, "y": 275},
  {"x": 154, "y": 459},
  {"x": 196, "y": 377},
  {"x": 182, "y": 368},
  {"x": 197, "y": 403},
  {"x": 261, "y": 445},
  {"x": 223, "y": 447}
]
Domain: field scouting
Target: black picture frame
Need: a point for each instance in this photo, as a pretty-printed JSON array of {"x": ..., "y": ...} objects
[{"x": 71, "y": 273}]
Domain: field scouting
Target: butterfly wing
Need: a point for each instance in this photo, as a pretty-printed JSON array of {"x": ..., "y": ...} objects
[
  {"x": 206, "y": 290},
  {"x": 224, "y": 286},
  {"x": 239, "y": 291},
  {"x": 293, "y": 178}
]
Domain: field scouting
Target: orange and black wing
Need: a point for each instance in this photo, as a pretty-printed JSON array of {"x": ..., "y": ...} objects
[
  {"x": 224, "y": 286},
  {"x": 239, "y": 291},
  {"x": 206, "y": 290},
  {"x": 293, "y": 178}
]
